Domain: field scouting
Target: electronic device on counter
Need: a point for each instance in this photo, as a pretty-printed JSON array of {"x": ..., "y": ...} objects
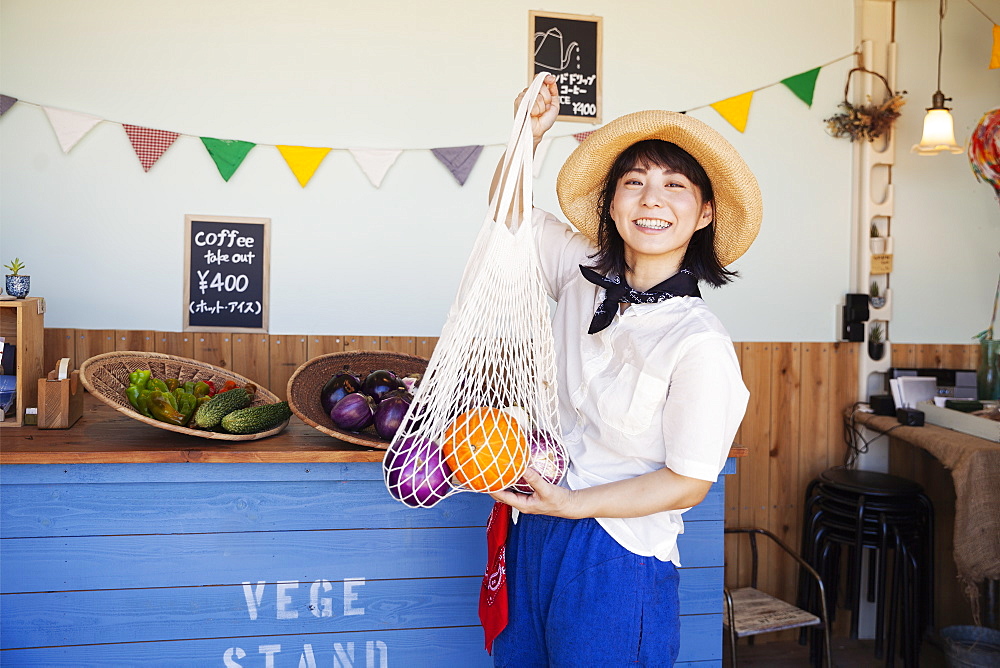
[{"x": 951, "y": 383}]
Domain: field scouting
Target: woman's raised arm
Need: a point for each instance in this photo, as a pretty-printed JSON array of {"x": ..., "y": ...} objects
[{"x": 543, "y": 115}]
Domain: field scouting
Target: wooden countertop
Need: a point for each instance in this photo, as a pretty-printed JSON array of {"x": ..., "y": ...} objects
[{"x": 105, "y": 436}]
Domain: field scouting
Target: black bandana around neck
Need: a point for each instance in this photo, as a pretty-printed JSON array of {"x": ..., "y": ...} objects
[{"x": 616, "y": 290}]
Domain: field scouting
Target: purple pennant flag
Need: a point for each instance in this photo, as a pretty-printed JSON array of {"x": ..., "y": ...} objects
[
  {"x": 6, "y": 102},
  {"x": 459, "y": 160}
]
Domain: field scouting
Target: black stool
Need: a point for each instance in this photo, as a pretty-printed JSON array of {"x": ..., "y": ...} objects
[{"x": 893, "y": 520}]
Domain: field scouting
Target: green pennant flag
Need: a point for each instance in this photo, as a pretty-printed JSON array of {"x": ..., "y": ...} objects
[
  {"x": 803, "y": 85},
  {"x": 228, "y": 154}
]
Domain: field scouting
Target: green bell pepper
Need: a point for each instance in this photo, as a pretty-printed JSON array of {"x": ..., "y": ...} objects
[
  {"x": 186, "y": 404},
  {"x": 157, "y": 384},
  {"x": 139, "y": 399},
  {"x": 162, "y": 410},
  {"x": 140, "y": 378}
]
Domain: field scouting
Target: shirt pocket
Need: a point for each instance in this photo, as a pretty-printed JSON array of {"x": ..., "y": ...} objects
[{"x": 631, "y": 400}]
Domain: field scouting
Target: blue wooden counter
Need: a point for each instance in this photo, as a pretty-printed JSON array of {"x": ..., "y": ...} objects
[{"x": 253, "y": 564}]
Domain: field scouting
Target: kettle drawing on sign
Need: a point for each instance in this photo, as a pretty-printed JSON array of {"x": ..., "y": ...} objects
[{"x": 551, "y": 54}]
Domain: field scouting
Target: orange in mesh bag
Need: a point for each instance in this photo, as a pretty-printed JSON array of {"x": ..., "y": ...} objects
[
  {"x": 486, "y": 408},
  {"x": 486, "y": 450}
]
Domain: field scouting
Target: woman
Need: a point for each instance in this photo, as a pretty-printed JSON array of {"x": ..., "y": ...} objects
[{"x": 650, "y": 391}]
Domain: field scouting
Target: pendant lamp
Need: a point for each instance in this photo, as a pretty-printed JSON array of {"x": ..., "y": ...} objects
[{"x": 939, "y": 126}]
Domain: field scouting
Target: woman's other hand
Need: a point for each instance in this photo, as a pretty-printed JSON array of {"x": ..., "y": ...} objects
[
  {"x": 642, "y": 495},
  {"x": 545, "y": 109},
  {"x": 548, "y": 499}
]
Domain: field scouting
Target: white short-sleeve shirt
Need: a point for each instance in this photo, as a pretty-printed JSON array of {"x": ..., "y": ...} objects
[{"x": 661, "y": 386}]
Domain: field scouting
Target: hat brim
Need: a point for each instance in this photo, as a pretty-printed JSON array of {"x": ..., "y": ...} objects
[{"x": 738, "y": 205}]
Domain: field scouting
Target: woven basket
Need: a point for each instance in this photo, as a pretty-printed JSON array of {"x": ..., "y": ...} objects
[
  {"x": 308, "y": 380},
  {"x": 106, "y": 377}
]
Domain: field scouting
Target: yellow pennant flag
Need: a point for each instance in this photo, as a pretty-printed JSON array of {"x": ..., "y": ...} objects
[
  {"x": 735, "y": 110},
  {"x": 995, "y": 58},
  {"x": 303, "y": 160}
]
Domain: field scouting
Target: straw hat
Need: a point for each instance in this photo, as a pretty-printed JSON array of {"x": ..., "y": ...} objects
[{"x": 738, "y": 208}]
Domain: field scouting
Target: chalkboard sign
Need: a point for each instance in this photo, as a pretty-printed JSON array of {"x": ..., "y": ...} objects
[
  {"x": 569, "y": 46},
  {"x": 226, "y": 269}
]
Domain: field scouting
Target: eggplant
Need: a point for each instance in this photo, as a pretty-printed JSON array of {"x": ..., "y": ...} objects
[
  {"x": 417, "y": 473},
  {"x": 412, "y": 380},
  {"x": 403, "y": 394},
  {"x": 339, "y": 386},
  {"x": 546, "y": 457},
  {"x": 354, "y": 412},
  {"x": 389, "y": 415},
  {"x": 378, "y": 383}
]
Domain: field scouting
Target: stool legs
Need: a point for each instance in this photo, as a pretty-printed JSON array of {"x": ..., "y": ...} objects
[
  {"x": 881, "y": 575},
  {"x": 847, "y": 518},
  {"x": 853, "y": 594}
]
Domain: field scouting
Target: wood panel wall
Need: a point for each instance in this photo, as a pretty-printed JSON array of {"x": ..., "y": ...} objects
[
  {"x": 793, "y": 427},
  {"x": 268, "y": 359}
]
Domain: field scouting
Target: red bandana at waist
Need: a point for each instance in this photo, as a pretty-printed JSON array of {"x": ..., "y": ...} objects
[{"x": 493, "y": 593}]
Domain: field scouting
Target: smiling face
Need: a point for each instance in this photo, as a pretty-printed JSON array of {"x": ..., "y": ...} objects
[{"x": 656, "y": 210}]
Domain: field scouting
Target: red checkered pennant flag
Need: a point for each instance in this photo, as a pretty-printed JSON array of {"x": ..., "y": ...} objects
[
  {"x": 580, "y": 136},
  {"x": 149, "y": 144}
]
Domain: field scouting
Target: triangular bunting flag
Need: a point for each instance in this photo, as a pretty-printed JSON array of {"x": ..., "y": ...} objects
[
  {"x": 303, "y": 160},
  {"x": 149, "y": 144},
  {"x": 228, "y": 154},
  {"x": 540, "y": 151},
  {"x": 803, "y": 85},
  {"x": 735, "y": 109},
  {"x": 580, "y": 136},
  {"x": 375, "y": 162},
  {"x": 459, "y": 160},
  {"x": 6, "y": 102},
  {"x": 70, "y": 126},
  {"x": 995, "y": 57}
]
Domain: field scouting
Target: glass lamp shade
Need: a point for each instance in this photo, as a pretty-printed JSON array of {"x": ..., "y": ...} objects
[{"x": 939, "y": 133}]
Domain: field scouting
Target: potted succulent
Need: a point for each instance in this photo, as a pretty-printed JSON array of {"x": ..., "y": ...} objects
[
  {"x": 874, "y": 296},
  {"x": 17, "y": 284},
  {"x": 876, "y": 342},
  {"x": 877, "y": 241}
]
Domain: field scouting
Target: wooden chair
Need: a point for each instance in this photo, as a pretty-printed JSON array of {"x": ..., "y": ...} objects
[{"x": 751, "y": 612}]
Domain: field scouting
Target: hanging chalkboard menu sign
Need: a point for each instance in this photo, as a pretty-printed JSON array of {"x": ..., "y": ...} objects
[
  {"x": 226, "y": 265},
  {"x": 569, "y": 46}
]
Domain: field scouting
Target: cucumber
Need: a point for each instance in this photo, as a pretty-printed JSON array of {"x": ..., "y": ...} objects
[
  {"x": 212, "y": 411},
  {"x": 257, "y": 418}
]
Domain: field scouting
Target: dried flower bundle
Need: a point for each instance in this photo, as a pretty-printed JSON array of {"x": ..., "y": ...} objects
[{"x": 865, "y": 121}]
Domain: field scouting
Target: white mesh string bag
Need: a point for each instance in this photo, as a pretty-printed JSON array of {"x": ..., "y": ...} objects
[{"x": 486, "y": 407}]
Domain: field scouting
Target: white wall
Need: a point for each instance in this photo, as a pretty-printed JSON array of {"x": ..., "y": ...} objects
[
  {"x": 947, "y": 225},
  {"x": 103, "y": 240}
]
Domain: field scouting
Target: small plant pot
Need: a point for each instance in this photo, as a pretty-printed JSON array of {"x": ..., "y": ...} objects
[
  {"x": 877, "y": 302},
  {"x": 877, "y": 245},
  {"x": 876, "y": 350},
  {"x": 18, "y": 286}
]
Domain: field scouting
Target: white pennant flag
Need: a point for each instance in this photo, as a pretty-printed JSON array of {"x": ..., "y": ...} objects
[
  {"x": 540, "y": 151},
  {"x": 375, "y": 162},
  {"x": 70, "y": 126}
]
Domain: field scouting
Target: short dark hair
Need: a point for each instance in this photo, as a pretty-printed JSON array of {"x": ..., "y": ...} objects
[{"x": 700, "y": 258}]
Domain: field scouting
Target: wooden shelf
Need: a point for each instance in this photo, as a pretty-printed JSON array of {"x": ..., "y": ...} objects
[{"x": 22, "y": 323}]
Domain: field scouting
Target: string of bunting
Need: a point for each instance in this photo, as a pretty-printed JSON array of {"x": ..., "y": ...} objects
[
  {"x": 995, "y": 53},
  {"x": 150, "y": 144}
]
